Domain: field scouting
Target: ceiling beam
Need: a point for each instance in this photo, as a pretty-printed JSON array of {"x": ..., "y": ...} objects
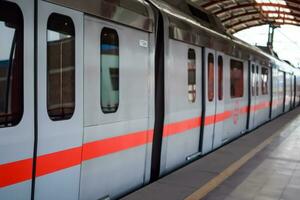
[
  {"x": 253, "y": 5},
  {"x": 255, "y": 19},
  {"x": 213, "y": 2},
  {"x": 256, "y": 13}
]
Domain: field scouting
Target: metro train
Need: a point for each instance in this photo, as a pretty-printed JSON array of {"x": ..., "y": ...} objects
[{"x": 101, "y": 97}]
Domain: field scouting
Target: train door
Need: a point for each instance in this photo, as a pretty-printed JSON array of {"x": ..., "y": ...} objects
[
  {"x": 297, "y": 91},
  {"x": 219, "y": 101},
  {"x": 291, "y": 90},
  {"x": 258, "y": 97},
  {"x": 253, "y": 83},
  {"x": 210, "y": 100},
  {"x": 16, "y": 98},
  {"x": 284, "y": 91},
  {"x": 60, "y": 102},
  {"x": 288, "y": 91},
  {"x": 281, "y": 91},
  {"x": 275, "y": 92},
  {"x": 117, "y": 126}
]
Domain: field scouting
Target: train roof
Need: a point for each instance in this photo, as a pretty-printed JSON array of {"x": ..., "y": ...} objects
[
  {"x": 182, "y": 26},
  {"x": 133, "y": 13},
  {"x": 186, "y": 28}
]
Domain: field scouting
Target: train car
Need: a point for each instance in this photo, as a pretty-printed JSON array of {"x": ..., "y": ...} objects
[{"x": 99, "y": 98}]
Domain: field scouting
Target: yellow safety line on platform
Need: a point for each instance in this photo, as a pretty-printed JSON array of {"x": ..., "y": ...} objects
[{"x": 216, "y": 181}]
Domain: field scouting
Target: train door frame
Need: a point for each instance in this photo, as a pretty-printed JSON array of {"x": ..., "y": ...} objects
[
  {"x": 252, "y": 94},
  {"x": 219, "y": 103},
  {"x": 284, "y": 91},
  {"x": 258, "y": 95},
  {"x": 270, "y": 89},
  {"x": 17, "y": 141},
  {"x": 130, "y": 119},
  {"x": 210, "y": 105},
  {"x": 288, "y": 92},
  {"x": 59, "y": 139}
]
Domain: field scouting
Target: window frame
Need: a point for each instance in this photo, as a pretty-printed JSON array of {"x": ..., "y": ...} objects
[
  {"x": 70, "y": 23},
  {"x": 210, "y": 94},
  {"x": 192, "y": 88},
  {"x": 13, "y": 14},
  {"x": 253, "y": 81},
  {"x": 220, "y": 77},
  {"x": 242, "y": 80},
  {"x": 264, "y": 88},
  {"x": 113, "y": 30}
]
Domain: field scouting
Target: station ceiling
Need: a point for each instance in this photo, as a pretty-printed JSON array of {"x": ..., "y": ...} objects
[{"x": 237, "y": 15}]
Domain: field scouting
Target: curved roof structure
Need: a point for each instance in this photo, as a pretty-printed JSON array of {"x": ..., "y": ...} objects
[{"x": 237, "y": 15}]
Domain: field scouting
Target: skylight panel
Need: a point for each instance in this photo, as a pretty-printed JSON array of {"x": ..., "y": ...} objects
[
  {"x": 273, "y": 5},
  {"x": 280, "y": 2}
]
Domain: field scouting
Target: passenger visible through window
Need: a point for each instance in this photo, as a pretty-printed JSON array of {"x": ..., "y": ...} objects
[
  {"x": 211, "y": 77},
  {"x": 191, "y": 75},
  {"x": 236, "y": 79},
  {"x": 109, "y": 70},
  {"x": 60, "y": 67},
  {"x": 11, "y": 64}
]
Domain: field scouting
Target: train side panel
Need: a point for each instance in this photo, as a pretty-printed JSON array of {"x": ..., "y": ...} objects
[
  {"x": 236, "y": 97},
  {"x": 181, "y": 134},
  {"x": 16, "y": 99},
  {"x": 263, "y": 95},
  {"x": 60, "y": 101},
  {"x": 116, "y": 137}
]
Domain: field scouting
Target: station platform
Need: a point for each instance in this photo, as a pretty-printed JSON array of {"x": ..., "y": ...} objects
[{"x": 261, "y": 165}]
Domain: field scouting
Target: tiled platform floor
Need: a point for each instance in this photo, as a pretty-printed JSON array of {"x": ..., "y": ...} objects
[{"x": 273, "y": 174}]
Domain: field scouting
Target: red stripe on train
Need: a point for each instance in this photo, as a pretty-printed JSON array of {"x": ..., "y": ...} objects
[
  {"x": 19, "y": 171},
  {"x": 179, "y": 127},
  {"x": 111, "y": 145},
  {"x": 15, "y": 172},
  {"x": 53, "y": 162}
]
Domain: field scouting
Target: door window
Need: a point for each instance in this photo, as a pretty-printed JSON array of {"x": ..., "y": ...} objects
[
  {"x": 253, "y": 80},
  {"x": 211, "y": 77},
  {"x": 109, "y": 70},
  {"x": 191, "y": 75},
  {"x": 236, "y": 79},
  {"x": 220, "y": 77},
  {"x": 264, "y": 80},
  {"x": 60, "y": 67},
  {"x": 11, "y": 64}
]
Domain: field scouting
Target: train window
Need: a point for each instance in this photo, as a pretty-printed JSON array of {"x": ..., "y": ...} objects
[
  {"x": 220, "y": 77},
  {"x": 256, "y": 82},
  {"x": 11, "y": 64},
  {"x": 264, "y": 80},
  {"x": 210, "y": 75},
  {"x": 60, "y": 67},
  {"x": 236, "y": 79},
  {"x": 191, "y": 75},
  {"x": 253, "y": 80},
  {"x": 109, "y": 70}
]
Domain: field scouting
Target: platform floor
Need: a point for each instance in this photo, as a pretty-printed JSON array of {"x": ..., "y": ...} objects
[
  {"x": 272, "y": 174},
  {"x": 262, "y": 165}
]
